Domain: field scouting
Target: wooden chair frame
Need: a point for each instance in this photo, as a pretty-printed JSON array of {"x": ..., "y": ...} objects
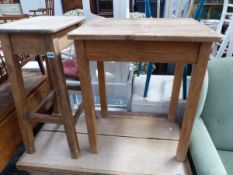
[{"x": 47, "y": 11}]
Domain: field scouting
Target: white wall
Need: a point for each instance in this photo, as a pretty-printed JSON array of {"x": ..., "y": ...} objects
[{"x": 35, "y": 4}]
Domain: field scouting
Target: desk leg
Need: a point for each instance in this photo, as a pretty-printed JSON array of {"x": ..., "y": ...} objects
[
  {"x": 19, "y": 96},
  {"x": 175, "y": 91},
  {"x": 197, "y": 78},
  {"x": 86, "y": 89},
  {"x": 102, "y": 88},
  {"x": 58, "y": 79}
]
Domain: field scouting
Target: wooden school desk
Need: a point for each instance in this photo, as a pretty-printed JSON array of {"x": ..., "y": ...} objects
[{"x": 179, "y": 41}]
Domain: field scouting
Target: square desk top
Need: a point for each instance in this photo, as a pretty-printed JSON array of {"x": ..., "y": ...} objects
[
  {"x": 148, "y": 29},
  {"x": 41, "y": 25}
]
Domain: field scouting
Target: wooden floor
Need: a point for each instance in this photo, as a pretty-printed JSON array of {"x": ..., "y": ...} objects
[{"x": 128, "y": 145}]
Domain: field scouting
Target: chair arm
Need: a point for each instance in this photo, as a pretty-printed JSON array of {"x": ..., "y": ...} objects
[{"x": 204, "y": 154}]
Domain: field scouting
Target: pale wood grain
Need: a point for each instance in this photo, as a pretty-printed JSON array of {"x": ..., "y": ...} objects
[
  {"x": 37, "y": 39},
  {"x": 160, "y": 52},
  {"x": 156, "y": 40},
  {"x": 117, "y": 155},
  {"x": 33, "y": 41},
  {"x": 88, "y": 102},
  {"x": 45, "y": 101},
  {"x": 175, "y": 91},
  {"x": 58, "y": 79},
  {"x": 192, "y": 100},
  {"x": 102, "y": 88},
  {"x": 43, "y": 24},
  {"x": 139, "y": 126},
  {"x": 146, "y": 30},
  {"x": 31, "y": 172},
  {"x": 62, "y": 37},
  {"x": 18, "y": 92},
  {"x": 45, "y": 118},
  {"x": 39, "y": 36}
]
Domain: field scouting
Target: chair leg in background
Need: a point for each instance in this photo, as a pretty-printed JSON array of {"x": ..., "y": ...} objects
[
  {"x": 39, "y": 59},
  {"x": 185, "y": 81},
  {"x": 139, "y": 68},
  {"x": 149, "y": 73}
]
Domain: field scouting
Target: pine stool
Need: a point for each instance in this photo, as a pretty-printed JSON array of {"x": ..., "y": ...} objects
[{"x": 40, "y": 36}]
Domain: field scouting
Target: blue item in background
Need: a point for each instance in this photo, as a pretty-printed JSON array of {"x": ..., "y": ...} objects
[{"x": 140, "y": 7}]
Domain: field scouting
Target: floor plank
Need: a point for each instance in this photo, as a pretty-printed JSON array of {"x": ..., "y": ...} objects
[
  {"x": 128, "y": 126},
  {"x": 117, "y": 155}
]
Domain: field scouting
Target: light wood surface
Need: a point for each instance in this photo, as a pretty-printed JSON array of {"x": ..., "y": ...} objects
[
  {"x": 58, "y": 79},
  {"x": 146, "y": 30},
  {"x": 138, "y": 126},
  {"x": 179, "y": 41},
  {"x": 40, "y": 36},
  {"x": 88, "y": 102},
  {"x": 165, "y": 52},
  {"x": 36, "y": 39},
  {"x": 192, "y": 100},
  {"x": 44, "y": 24},
  {"x": 175, "y": 91},
  {"x": 18, "y": 92},
  {"x": 102, "y": 88},
  {"x": 118, "y": 153}
]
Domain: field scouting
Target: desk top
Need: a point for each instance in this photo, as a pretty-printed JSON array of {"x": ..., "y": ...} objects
[
  {"x": 43, "y": 24},
  {"x": 187, "y": 30}
]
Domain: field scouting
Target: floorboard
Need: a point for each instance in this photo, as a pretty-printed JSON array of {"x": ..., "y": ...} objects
[
  {"x": 128, "y": 126},
  {"x": 117, "y": 155},
  {"x": 127, "y": 145}
]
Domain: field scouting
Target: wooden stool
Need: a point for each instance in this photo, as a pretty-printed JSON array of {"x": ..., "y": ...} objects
[{"x": 40, "y": 36}]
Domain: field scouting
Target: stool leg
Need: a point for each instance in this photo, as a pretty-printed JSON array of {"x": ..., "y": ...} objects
[
  {"x": 49, "y": 73},
  {"x": 18, "y": 92},
  {"x": 55, "y": 66}
]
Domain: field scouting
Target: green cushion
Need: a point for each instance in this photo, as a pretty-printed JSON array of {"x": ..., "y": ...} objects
[
  {"x": 204, "y": 154},
  {"x": 227, "y": 159},
  {"x": 218, "y": 108}
]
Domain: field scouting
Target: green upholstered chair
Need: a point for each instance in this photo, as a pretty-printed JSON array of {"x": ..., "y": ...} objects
[{"x": 211, "y": 143}]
